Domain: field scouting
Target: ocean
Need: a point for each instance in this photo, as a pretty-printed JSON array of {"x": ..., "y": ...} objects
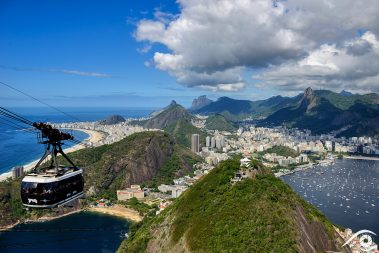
[
  {"x": 347, "y": 192},
  {"x": 18, "y": 147},
  {"x": 81, "y": 232}
]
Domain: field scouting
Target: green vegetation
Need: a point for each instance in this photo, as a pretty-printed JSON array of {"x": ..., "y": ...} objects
[
  {"x": 140, "y": 207},
  {"x": 282, "y": 151},
  {"x": 219, "y": 122},
  {"x": 181, "y": 161},
  {"x": 182, "y": 130},
  {"x": 255, "y": 215}
]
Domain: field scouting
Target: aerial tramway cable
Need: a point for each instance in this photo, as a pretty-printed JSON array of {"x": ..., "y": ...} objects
[{"x": 40, "y": 101}]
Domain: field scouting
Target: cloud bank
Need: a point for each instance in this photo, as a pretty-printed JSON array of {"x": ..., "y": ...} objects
[{"x": 292, "y": 44}]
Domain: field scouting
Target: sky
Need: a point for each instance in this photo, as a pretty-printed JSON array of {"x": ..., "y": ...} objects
[{"x": 144, "y": 53}]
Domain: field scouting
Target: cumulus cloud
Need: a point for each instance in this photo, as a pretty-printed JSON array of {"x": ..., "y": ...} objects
[
  {"x": 352, "y": 66},
  {"x": 212, "y": 42}
]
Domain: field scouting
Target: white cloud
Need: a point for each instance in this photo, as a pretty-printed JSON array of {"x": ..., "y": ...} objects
[
  {"x": 352, "y": 66},
  {"x": 212, "y": 42}
]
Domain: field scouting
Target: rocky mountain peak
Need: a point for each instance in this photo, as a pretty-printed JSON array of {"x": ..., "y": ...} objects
[
  {"x": 200, "y": 102},
  {"x": 309, "y": 93},
  {"x": 173, "y": 103}
]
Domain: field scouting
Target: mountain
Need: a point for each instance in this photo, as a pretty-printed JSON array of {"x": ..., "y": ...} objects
[
  {"x": 234, "y": 109},
  {"x": 325, "y": 111},
  {"x": 345, "y": 93},
  {"x": 219, "y": 122},
  {"x": 176, "y": 120},
  {"x": 254, "y": 215},
  {"x": 113, "y": 119},
  {"x": 231, "y": 108},
  {"x": 167, "y": 116},
  {"x": 139, "y": 158},
  {"x": 200, "y": 102}
]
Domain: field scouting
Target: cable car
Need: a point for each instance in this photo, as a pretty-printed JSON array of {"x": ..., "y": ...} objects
[
  {"x": 55, "y": 184},
  {"x": 47, "y": 189}
]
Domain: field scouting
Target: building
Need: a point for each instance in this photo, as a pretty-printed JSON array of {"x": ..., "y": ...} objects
[
  {"x": 195, "y": 143},
  {"x": 208, "y": 141},
  {"x": 177, "y": 191},
  {"x": 133, "y": 192},
  {"x": 17, "y": 172}
]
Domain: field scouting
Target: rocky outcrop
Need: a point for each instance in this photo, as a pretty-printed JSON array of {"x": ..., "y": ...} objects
[
  {"x": 134, "y": 160},
  {"x": 112, "y": 120},
  {"x": 200, "y": 102},
  {"x": 169, "y": 115}
]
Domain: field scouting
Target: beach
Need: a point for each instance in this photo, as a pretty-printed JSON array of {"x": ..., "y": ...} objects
[
  {"x": 95, "y": 137},
  {"x": 119, "y": 211}
]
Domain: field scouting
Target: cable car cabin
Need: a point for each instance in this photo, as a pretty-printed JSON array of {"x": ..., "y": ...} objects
[{"x": 50, "y": 189}]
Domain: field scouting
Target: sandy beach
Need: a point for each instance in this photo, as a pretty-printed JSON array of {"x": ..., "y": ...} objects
[
  {"x": 120, "y": 211},
  {"x": 95, "y": 137}
]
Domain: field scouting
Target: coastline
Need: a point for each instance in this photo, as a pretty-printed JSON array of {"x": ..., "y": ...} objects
[
  {"x": 95, "y": 137},
  {"x": 369, "y": 158},
  {"x": 116, "y": 210},
  {"x": 119, "y": 211}
]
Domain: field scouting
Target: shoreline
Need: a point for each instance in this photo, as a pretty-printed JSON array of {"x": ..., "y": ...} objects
[
  {"x": 119, "y": 211},
  {"x": 368, "y": 158},
  {"x": 94, "y": 137},
  {"x": 116, "y": 210}
]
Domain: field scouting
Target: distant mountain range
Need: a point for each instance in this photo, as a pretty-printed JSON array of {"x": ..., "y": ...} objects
[{"x": 321, "y": 111}]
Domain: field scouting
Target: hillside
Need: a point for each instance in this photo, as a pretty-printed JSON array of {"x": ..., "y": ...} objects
[
  {"x": 200, "y": 102},
  {"x": 176, "y": 120},
  {"x": 136, "y": 159},
  {"x": 219, "y": 122},
  {"x": 323, "y": 111},
  {"x": 282, "y": 151},
  {"x": 113, "y": 119},
  {"x": 255, "y": 215},
  {"x": 182, "y": 130},
  {"x": 167, "y": 116}
]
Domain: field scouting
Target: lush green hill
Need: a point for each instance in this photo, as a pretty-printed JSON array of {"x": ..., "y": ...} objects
[
  {"x": 322, "y": 112},
  {"x": 255, "y": 215},
  {"x": 182, "y": 130},
  {"x": 281, "y": 150},
  {"x": 168, "y": 116},
  {"x": 219, "y": 122}
]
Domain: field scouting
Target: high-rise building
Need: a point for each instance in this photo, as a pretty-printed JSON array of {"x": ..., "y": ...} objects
[
  {"x": 195, "y": 145},
  {"x": 208, "y": 141},
  {"x": 213, "y": 142}
]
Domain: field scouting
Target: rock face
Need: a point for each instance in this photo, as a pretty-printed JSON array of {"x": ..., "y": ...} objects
[
  {"x": 112, "y": 120},
  {"x": 200, "y": 102},
  {"x": 134, "y": 160},
  {"x": 169, "y": 115}
]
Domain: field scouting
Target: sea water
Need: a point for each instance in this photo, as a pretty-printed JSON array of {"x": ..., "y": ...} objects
[{"x": 81, "y": 232}]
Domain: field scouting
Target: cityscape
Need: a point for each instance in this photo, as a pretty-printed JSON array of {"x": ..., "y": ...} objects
[{"x": 189, "y": 126}]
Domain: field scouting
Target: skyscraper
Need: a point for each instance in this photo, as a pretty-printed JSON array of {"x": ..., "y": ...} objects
[
  {"x": 195, "y": 145},
  {"x": 208, "y": 141}
]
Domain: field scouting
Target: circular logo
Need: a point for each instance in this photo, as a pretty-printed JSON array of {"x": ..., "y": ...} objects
[{"x": 365, "y": 242}]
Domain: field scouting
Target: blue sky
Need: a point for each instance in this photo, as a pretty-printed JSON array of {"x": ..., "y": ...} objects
[
  {"x": 144, "y": 53},
  {"x": 52, "y": 50}
]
